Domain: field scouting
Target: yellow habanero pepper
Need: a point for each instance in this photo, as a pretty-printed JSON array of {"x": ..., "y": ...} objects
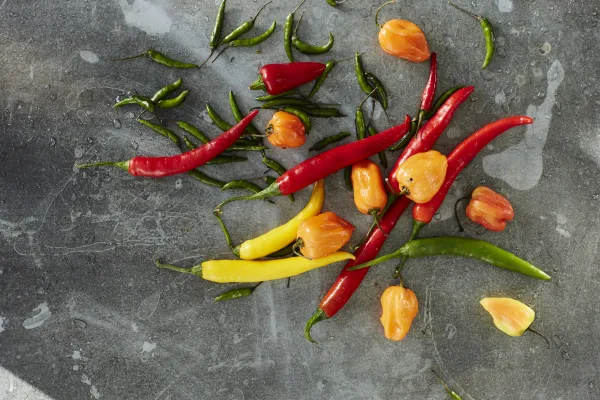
[
  {"x": 237, "y": 271},
  {"x": 278, "y": 238}
]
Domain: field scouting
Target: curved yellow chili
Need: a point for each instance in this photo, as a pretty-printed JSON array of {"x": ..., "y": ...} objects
[
  {"x": 230, "y": 271},
  {"x": 278, "y": 238}
]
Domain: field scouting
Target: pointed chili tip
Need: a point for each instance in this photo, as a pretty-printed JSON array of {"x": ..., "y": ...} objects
[{"x": 318, "y": 316}]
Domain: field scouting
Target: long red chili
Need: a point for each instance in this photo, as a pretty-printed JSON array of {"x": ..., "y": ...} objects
[
  {"x": 429, "y": 91},
  {"x": 279, "y": 78},
  {"x": 348, "y": 281},
  {"x": 158, "y": 167},
  {"x": 459, "y": 158},
  {"x": 327, "y": 163},
  {"x": 430, "y": 132}
]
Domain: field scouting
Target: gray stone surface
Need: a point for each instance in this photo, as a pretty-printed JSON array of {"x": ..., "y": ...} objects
[{"x": 83, "y": 312}]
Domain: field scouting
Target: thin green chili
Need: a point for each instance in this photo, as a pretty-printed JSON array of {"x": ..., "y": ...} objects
[
  {"x": 288, "y": 31},
  {"x": 488, "y": 34},
  {"x": 141, "y": 101},
  {"x": 272, "y": 164},
  {"x": 216, "y": 118},
  {"x": 203, "y": 178},
  {"x": 215, "y": 37},
  {"x": 441, "y": 100},
  {"x": 243, "y": 28},
  {"x": 286, "y": 102},
  {"x": 269, "y": 97},
  {"x": 348, "y": 178},
  {"x": 161, "y": 130},
  {"x": 406, "y": 139},
  {"x": 192, "y": 130},
  {"x": 335, "y": 3},
  {"x": 253, "y": 41},
  {"x": 304, "y": 117},
  {"x": 237, "y": 293},
  {"x": 319, "y": 82},
  {"x": 164, "y": 91},
  {"x": 321, "y": 144},
  {"x": 238, "y": 115},
  {"x": 359, "y": 121},
  {"x": 360, "y": 75},
  {"x": 285, "y": 252},
  {"x": 381, "y": 93},
  {"x": 241, "y": 184},
  {"x": 382, "y": 156},
  {"x": 174, "y": 102},
  {"x": 322, "y": 112},
  {"x": 306, "y": 48},
  {"x": 160, "y": 58}
]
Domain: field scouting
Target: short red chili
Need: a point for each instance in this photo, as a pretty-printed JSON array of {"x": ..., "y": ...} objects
[{"x": 279, "y": 78}]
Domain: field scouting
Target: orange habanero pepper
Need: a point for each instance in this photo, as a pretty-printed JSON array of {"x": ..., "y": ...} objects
[
  {"x": 400, "y": 306},
  {"x": 421, "y": 176},
  {"x": 489, "y": 209},
  {"x": 370, "y": 196},
  {"x": 285, "y": 130},
  {"x": 322, "y": 235},
  {"x": 402, "y": 38}
]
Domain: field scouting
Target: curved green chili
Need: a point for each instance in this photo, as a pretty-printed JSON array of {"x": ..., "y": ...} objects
[
  {"x": 238, "y": 115},
  {"x": 359, "y": 121},
  {"x": 269, "y": 180},
  {"x": 236, "y": 293},
  {"x": 216, "y": 33},
  {"x": 441, "y": 100},
  {"x": 322, "y": 112},
  {"x": 272, "y": 164},
  {"x": 161, "y": 130},
  {"x": 241, "y": 184},
  {"x": 174, "y": 102},
  {"x": 243, "y": 28},
  {"x": 269, "y": 97},
  {"x": 335, "y": 3},
  {"x": 192, "y": 130},
  {"x": 188, "y": 143},
  {"x": 286, "y": 102},
  {"x": 304, "y": 117},
  {"x": 203, "y": 178},
  {"x": 406, "y": 139},
  {"x": 319, "y": 82},
  {"x": 360, "y": 75},
  {"x": 162, "y": 92},
  {"x": 141, "y": 101},
  {"x": 285, "y": 252},
  {"x": 461, "y": 247},
  {"x": 306, "y": 48},
  {"x": 287, "y": 33},
  {"x": 488, "y": 34},
  {"x": 216, "y": 118},
  {"x": 321, "y": 144},
  {"x": 160, "y": 58},
  {"x": 348, "y": 178},
  {"x": 382, "y": 156},
  {"x": 253, "y": 41},
  {"x": 381, "y": 94}
]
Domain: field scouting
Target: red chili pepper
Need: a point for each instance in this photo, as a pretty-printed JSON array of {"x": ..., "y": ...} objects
[
  {"x": 327, "y": 163},
  {"x": 348, "y": 281},
  {"x": 429, "y": 91},
  {"x": 429, "y": 133},
  {"x": 279, "y": 78},
  {"x": 158, "y": 167},
  {"x": 459, "y": 158}
]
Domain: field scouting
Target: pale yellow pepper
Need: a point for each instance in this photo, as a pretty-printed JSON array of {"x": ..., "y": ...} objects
[
  {"x": 276, "y": 239},
  {"x": 510, "y": 316},
  {"x": 236, "y": 271}
]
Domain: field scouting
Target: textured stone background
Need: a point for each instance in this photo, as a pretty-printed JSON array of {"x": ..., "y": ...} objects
[{"x": 83, "y": 312}]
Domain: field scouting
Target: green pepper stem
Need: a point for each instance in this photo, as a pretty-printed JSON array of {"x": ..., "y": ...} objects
[
  {"x": 218, "y": 55},
  {"x": 217, "y": 214},
  {"x": 259, "y": 11},
  {"x": 208, "y": 58},
  {"x": 397, "y": 254},
  {"x": 539, "y": 334},
  {"x": 272, "y": 190},
  {"x": 318, "y": 316},
  {"x": 130, "y": 57},
  {"x": 378, "y": 10},
  {"x": 477, "y": 17},
  {"x": 298, "y": 24},
  {"x": 298, "y": 244},
  {"x": 195, "y": 270},
  {"x": 124, "y": 165},
  {"x": 297, "y": 7}
]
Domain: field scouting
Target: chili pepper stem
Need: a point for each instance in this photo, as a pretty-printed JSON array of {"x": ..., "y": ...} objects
[
  {"x": 318, "y": 316},
  {"x": 379, "y": 9},
  {"x": 124, "y": 165},
  {"x": 272, "y": 190},
  {"x": 539, "y": 334},
  {"x": 217, "y": 214},
  {"x": 417, "y": 226},
  {"x": 209, "y": 56},
  {"x": 195, "y": 270},
  {"x": 298, "y": 23},
  {"x": 298, "y": 244},
  {"x": 298, "y": 6},
  {"x": 218, "y": 55},
  {"x": 477, "y": 17},
  {"x": 260, "y": 10},
  {"x": 460, "y": 227},
  {"x": 375, "y": 213},
  {"x": 130, "y": 57}
]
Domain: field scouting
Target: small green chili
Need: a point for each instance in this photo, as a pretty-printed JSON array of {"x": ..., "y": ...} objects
[
  {"x": 203, "y": 178},
  {"x": 239, "y": 115},
  {"x": 360, "y": 75},
  {"x": 269, "y": 97},
  {"x": 236, "y": 293},
  {"x": 319, "y": 82},
  {"x": 216, "y": 118},
  {"x": 216, "y": 33},
  {"x": 304, "y": 117},
  {"x": 406, "y": 139},
  {"x": 382, "y": 156},
  {"x": 243, "y": 28},
  {"x": 348, "y": 178},
  {"x": 321, "y": 144},
  {"x": 322, "y": 112},
  {"x": 141, "y": 101},
  {"x": 285, "y": 252},
  {"x": 174, "y": 102},
  {"x": 359, "y": 121},
  {"x": 441, "y": 100},
  {"x": 192, "y": 130},
  {"x": 161, "y": 130},
  {"x": 161, "y": 93},
  {"x": 253, "y": 41},
  {"x": 272, "y": 164},
  {"x": 286, "y": 102},
  {"x": 287, "y": 33},
  {"x": 160, "y": 58},
  {"x": 306, "y": 48},
  {"x": 381, "y": 94},
  {"x": 488, "y": 34},
  {"x": 241, "y": 184}
]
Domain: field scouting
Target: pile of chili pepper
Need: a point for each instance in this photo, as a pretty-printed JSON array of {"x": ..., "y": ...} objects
[{"x": 313, "y": 238}]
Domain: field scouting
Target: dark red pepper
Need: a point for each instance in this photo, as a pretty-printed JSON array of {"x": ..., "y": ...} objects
[
  {"x": 430, "y": 132},
  {"x": 327, "y": 163},
  {"x": 158, "y": 167},
  {"x": 279, "y": 78},
  {"x": 458, "y": 159},
  {"x": 429, "y": 91}
]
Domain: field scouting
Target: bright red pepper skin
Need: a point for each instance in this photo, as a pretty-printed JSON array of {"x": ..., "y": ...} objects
[
  {"x": 430, "y": 132},
  {"x": 331, "y": 161},
  {"x": 460, "y": 157},
  {"x": 279, "y": 78},
  {"x": 429, "y": 91},
  {"x": 158, "y": 167}
]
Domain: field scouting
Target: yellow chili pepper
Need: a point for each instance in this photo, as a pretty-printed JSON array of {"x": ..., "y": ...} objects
[
  {"x": 278, "y": 238},
  {"x": 236, "y": 271}
]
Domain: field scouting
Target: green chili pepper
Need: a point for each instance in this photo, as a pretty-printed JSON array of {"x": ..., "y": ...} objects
[
  {"x": 174, "y": 102},
  {"x": 287, "y": 33},
  {"x": 236, "y": 293},
  {"x": 216, "y": 118},
  {"x": 319, "y": 82},
  {"x": 360, "y": 75},
  {"x": 253, "y": 41},
  {"x": 322, "y": 112},
  {"x": 286, "y": 102},
  {"x": 304, "y": 117},
  {"x": 243, "y": 28},
  {"x": 272, "y": 164},
  {"x": 441, "y": 100},
  {"x": 321, "y": 144},
  {"x": 285, "y": 252},
  {"x": 216, "y": 33},
  {"x": 269, "y": 97},
  {"x": 192, "y": 130},
  {"x": 335, "y": 3},
  {"x": 238, "y": 115},
  {"x": 188, "y": 143},
  {"x": 160, "y": 58},
  {"x": 488, "y": 34},
  {"x": 406, "y": 139},
  {"x": 462, "y": 247},
  {"x": 381, "y": 94},
  {"x": 203, "y": 178},
  {"x": 359, "y": 121},
  {"x": 241, "y": 184},
  {"x": 161, "y": 93},
  {"x": 141, "y": 101},
  {"x": 382, "y": 156},
  {"x": 160, "y": 130},
  {"x": 306, "y": 48},
  {"x": 348, "y": 178}
]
